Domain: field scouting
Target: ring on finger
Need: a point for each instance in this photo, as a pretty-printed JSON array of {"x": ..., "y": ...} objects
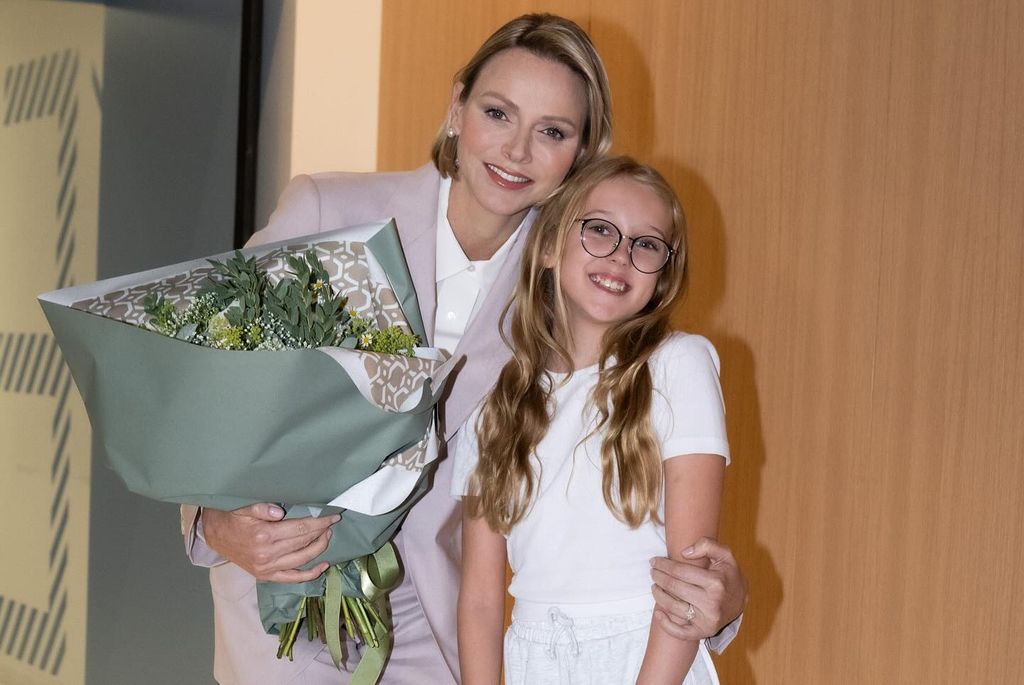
[{"x": 690, "y": 613}]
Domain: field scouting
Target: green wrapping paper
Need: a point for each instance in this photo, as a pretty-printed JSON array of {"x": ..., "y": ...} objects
[{"x": 317, "y": 430}]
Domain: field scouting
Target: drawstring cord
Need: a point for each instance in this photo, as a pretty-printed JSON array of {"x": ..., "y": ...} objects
[{"x": 563, "y": 626}]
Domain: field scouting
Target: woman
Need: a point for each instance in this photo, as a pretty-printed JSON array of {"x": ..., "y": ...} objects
[{"x": 530, "y": 107}]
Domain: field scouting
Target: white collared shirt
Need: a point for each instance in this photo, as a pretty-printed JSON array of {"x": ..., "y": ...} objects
[{"x": 462, "y": 284}]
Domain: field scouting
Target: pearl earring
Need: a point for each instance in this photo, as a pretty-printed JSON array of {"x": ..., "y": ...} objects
[{"x": 451, "y": 132}]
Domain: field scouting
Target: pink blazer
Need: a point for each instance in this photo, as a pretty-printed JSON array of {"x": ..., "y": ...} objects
[{"x": 429, "y": 542}]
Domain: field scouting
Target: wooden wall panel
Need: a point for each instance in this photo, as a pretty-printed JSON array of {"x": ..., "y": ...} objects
[{"x": 853, "y": 174}]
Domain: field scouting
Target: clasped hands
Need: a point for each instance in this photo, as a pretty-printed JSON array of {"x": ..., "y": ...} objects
[{"x": 257, "y": 539}]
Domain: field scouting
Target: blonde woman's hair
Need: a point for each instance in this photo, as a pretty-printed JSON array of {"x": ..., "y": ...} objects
[
  {"x": 553, "y": 38},
  {"x": 516, "y": 415}
]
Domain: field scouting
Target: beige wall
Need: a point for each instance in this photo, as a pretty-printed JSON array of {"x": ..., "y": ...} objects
[
  {"x": 51, "y": 55},
  {"x": 319, "y": 105},
  {"x": 853, "y": 173}
]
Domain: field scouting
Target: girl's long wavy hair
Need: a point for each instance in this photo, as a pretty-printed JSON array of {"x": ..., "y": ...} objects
[{"x": 517, "y": 413}]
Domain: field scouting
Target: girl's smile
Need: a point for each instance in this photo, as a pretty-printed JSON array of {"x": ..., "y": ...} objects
[{"x": 612, "y": 284}]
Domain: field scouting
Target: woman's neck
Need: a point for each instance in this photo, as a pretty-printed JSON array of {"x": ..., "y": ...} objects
[{"x": 480, "y": 233}]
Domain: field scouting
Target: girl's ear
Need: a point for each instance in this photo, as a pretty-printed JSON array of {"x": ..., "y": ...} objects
[{"x": 455, "y": 108}]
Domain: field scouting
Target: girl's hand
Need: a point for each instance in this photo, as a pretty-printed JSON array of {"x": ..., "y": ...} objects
[
  {"x": 717, "y": 592},
  {"x": 268, "y": 548}
]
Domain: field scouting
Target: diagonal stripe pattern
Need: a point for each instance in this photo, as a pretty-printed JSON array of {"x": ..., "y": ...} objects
[{"x": 31, "y": 363}]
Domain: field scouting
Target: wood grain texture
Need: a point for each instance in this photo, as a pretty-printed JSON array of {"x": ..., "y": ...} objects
[{"x": 852, "y": 173}]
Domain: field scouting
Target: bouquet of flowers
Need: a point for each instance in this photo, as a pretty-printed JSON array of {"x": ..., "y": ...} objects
[{"x": 286, "y": 373}]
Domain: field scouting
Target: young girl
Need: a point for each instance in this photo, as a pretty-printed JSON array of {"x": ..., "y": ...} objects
[{"x": 602, "y": 445}]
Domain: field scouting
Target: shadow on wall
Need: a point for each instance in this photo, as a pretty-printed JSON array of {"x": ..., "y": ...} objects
[{"x": 742, "y": 498}]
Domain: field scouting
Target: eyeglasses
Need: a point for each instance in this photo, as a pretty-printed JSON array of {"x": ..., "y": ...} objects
[{"x": 647, "y": 253}]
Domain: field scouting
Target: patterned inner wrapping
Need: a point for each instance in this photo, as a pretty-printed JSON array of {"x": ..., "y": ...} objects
[
  {"x": 392, "y": 378},
  {"x": 344, "y": 261},
  {"x": 411, "y": 459}
]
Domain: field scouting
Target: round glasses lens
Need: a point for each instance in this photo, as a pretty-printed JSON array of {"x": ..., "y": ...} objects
[
  {"x": 599, "y": 237},
  {"x": 649, "y": 253}
]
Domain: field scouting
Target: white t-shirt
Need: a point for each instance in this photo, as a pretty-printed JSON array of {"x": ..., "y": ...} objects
[{"x": 569, "y": 548}]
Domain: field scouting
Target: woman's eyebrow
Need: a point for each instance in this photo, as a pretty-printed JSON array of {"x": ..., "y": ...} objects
[{"x": 508, "y": 104}]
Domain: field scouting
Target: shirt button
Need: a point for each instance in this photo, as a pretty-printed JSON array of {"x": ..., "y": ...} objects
[
  {"x": 472, "y": 267},
  {"x": 452, "y": 316}
]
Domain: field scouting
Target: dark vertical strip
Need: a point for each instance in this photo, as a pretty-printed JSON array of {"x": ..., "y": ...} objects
[
  {"x": 68, "y": 130},
  {"x": 39, "y": 638},
  {"x": 25, "y": 361},
  {"x": 60, "y": 655},
  {"x": 58, "y": 579},
  {"x": 7, "y": 351},
  {"x": 68, "y": 89},
  {"x": 14, "y": 94},
  {"x": 44, "y": 342},
  {"x": 28, "y": 631},
  {"x": 58, "y": 495},
  {"x": 24, "y": 91},
  {"x": 16, "y": 630},
  {"x": 60, "y": 82},
  {"x": 6, "y": 620},
  {"x": 66, "y": 223},
  {"x": 49, "y": 81},
  {"x": 41, "y": 390},
  {"x": 58, "y": 535},
  {"x": 68, "y": 173},
  {"x": 63, "y": 282},
  {"x": 248, "y": 120},
  {"x": 62, "y": 375},
  {"x": 58, "y": 620},
  {"x": 36, "y": 82},
  {"x": 61, "y": 444},
  {"x": 97, "y": 88},
  {"x": 14, "y": 361}
]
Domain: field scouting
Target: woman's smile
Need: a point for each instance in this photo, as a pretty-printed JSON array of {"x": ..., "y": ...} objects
[{"x": 507, "y": 179}]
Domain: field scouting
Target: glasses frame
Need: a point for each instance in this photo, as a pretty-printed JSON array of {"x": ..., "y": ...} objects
[{"x": 618, "y": 241}]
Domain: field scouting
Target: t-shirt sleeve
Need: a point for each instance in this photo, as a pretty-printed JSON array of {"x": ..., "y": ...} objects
[
  {"x": 687, "y": 411},
  {"x": 464, "y": 456}
]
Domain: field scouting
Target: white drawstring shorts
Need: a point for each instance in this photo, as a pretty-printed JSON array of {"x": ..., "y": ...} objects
[{"x": 556, "y": 649}]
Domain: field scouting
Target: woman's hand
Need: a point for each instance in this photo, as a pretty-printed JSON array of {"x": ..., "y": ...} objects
[
  {"x": 716, "y": 593},
  {"x": 270, "y": 549}
]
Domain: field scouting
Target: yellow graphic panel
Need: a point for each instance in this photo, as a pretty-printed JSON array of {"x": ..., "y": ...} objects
[{"x": 51, "y": 59}]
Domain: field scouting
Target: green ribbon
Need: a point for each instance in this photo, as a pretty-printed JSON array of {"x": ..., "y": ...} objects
[
  {"x": 332, "y": 613},
  {"x": 357, "y": 589}
]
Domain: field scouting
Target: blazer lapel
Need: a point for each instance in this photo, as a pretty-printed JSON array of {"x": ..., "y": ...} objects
[
  {"x": 482, "y": 345},
  {"x": 414, "y": 206}
]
